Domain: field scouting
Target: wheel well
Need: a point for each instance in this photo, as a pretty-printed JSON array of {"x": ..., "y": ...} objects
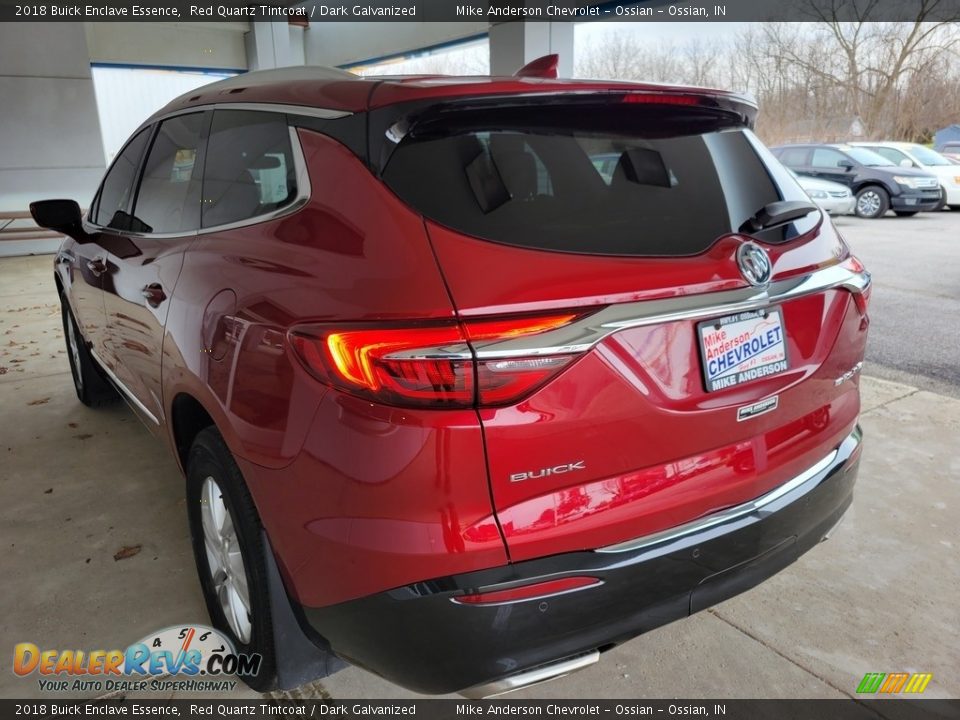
[
  {"x": 872, "y": 183},
  {"x": 189, "y": 418}
]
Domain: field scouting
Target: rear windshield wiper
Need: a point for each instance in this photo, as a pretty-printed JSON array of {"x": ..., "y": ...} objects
[{"x": 778, "y": 213}]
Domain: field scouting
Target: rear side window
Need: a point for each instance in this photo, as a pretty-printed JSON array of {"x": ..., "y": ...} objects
[
  {"x": 827, "y": 158},
  {"x": 793, "y": 157},
  {"x": 168, "y": 200},
  {"x": 625, "y": 183},
  {"x": 117, "y": 189},
  {"x": 249, "y": 167}
]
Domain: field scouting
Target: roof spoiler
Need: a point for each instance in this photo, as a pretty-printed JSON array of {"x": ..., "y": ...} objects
[{"x": 542, "y": 67}]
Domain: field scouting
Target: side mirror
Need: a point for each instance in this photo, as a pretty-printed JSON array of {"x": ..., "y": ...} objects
[
  {"x": 906, "y": 163},
  {"x": 63, "y": 216},
  {"x": 846, "y": 165}
]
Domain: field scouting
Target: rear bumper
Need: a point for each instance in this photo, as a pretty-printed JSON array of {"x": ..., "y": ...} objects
[{"x": 422, "y": 638}]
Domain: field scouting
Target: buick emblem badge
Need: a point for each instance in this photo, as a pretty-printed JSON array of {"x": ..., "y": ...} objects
[{"x": 754, "y": 264}]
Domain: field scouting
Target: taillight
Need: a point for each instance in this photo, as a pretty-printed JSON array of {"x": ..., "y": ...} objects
[
  {"x": 861, "y": 298},
  {"x": 430, "y": 365}
]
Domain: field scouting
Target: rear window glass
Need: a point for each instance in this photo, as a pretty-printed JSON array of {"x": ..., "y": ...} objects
[{"x": 643, "y": 183}]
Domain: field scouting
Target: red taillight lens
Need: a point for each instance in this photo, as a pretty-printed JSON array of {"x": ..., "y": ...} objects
[
  {"x": 660, "y": 99},
  {"x": 430, "y": 366},
  {"x": 500, "y": 382},
  {"x": 405, "y": 366},
  {"x": 862, "y": 299}
]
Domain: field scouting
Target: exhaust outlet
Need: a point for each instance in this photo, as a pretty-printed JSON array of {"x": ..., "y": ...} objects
[{"x": 536, "y": 676}]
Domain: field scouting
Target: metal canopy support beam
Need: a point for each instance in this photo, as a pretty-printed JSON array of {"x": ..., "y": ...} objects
[
  {"x": 514, "y": 44},
  {"x": 269, "y": 46}
]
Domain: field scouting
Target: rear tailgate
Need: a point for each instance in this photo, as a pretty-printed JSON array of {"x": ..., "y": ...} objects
[{"x": 690, "y": 390}]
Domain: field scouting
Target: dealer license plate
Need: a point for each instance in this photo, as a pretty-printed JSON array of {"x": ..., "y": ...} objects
[{"x": 743, "y": 347}]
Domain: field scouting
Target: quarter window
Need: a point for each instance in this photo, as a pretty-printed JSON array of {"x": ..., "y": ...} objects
[
  {"x": 117, "y": 189},
  {"x": 168, "y": 200},
  {"x": 249, "y": 169}
]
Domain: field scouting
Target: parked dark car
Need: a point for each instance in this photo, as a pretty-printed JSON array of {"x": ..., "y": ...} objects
[
  {"x": 458, "y": 399},
  {"x": 878, "y": 184}
]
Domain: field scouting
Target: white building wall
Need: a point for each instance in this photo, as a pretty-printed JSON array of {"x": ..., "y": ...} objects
[
  {"x": 128, "y": 96},
  {"x": 50, "y": 144}
]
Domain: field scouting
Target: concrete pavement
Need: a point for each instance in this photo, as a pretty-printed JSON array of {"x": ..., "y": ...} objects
[{"x": 77, "y": 485}]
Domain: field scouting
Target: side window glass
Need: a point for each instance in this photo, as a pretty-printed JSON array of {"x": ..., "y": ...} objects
[
  {"x": 249, "y": 169},
  {"x": 825, "y": 158},
  {"x": 894, "y": 156},
  {"x": 793, "y": 157},
  {"x": 168, "y": 200},
  {"x": 117, "y": 189}
]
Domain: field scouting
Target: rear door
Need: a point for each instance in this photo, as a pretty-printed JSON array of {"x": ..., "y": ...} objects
[
  {"x": 825, "y": 163},
  {"x": 685, "y": 389},
  {"x": 145, "y": 262}
]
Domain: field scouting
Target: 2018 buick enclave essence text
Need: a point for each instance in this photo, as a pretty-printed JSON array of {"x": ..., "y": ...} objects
[{"x": 459, "y": 399}]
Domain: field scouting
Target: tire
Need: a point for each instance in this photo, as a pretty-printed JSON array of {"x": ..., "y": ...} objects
[
  {"x": 955, "y": 208},
  {"x": 216, "y": 493},
  {"x": 93, "y": 389},
  {"x": 872, "y": 202},
  {"x": 905, "y": 213}
]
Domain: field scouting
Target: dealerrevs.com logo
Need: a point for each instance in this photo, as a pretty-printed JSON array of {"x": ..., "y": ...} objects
[{"x": 186, "y": 658}]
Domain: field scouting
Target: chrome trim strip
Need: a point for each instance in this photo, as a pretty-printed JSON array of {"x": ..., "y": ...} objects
[
  {"x": 460, "y": 351},
  {"x": 303, "y": 197},
  {"x": 301, "y": 110},
  {"x": 532, "y": 677},
  {"x": 128, "y": 396},
  {"x": 587, "y": 332},
  {"x": 798, "y": 486}
]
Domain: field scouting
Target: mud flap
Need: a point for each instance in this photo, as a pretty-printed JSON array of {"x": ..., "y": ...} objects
[{"x": 299, "y": 659}]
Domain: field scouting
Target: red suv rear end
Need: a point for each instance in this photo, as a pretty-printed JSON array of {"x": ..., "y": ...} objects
[{"x": 525, "y": 368}]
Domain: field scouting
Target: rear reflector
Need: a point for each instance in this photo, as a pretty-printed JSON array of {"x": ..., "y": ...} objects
[
  {"x": 535, "y": 591},
  {"x": 429, "y": 365}
]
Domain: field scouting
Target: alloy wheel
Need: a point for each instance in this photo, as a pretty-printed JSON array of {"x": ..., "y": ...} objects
[
  {"x": 225, "y": 560},
  {"x": 868, "y": 204},
  {"x": 74, "y": 354}
]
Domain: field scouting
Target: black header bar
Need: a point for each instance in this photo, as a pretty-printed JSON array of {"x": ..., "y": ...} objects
[{"x": 478, "y": 10}]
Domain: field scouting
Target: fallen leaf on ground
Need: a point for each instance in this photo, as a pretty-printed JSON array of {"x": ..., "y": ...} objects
[
  {"x": 127, "y": 551},
  {"x": 41, "y": 401},
  {"x": 83, "y": 436},
  {"x": 48, "y": 491},
  {"x": 73, "y": 425}
]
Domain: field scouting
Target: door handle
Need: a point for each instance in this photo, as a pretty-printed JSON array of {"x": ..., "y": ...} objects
[
  {"x": 97, "y": 266},
  {"x": 153, "y": 294}
]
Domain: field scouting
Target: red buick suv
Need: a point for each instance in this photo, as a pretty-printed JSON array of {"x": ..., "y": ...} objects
[{"x": 471, "y": 379}]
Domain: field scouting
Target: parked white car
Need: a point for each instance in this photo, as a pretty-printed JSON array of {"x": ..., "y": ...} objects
[
  {"x": 919, "y": 156},
  {"x": 833, "y": 198}
]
